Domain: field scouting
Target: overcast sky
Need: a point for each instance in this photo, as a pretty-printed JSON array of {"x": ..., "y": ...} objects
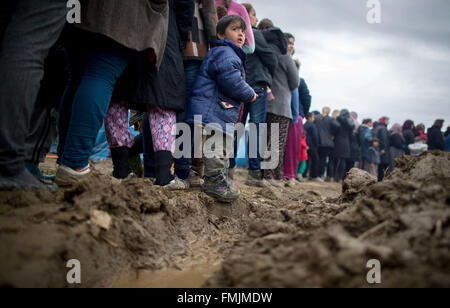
[{"x": 399, "y": 68}]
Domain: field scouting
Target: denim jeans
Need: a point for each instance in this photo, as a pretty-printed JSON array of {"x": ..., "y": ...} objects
[
  {"x": 34, "y": 28},
  {"x": 258, "y": 114},
  {"x": 191, "y": 70},
  {"x": 102, "y": 69}
]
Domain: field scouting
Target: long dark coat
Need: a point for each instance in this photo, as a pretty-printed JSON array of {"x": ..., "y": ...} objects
[{"x": 342, "y": 148}]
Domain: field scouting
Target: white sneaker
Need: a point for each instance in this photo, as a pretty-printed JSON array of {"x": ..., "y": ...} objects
[
  {"x": 67, "y": 176},
  {"x": 177, "y": 184}
]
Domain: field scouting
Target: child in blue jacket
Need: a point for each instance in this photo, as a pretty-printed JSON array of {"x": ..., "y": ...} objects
[{"x": 217, "y": 100}]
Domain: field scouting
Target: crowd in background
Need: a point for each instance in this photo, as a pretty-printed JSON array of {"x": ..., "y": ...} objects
[{"x": 167, "y": 61}]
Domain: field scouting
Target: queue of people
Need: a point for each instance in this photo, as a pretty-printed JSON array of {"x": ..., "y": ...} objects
[{"x": 172, "y": 62}]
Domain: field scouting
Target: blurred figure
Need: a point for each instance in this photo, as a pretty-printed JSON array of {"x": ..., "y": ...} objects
[
  {"x": 374, "y": 157},
  {"x": 409, "y": 135},
  {"x": 327, "y": 128},
  {"x": 382, "y": 134},
  {"x": 312, "y": 140},
  {"x": 355, "y": 148},
  {"x": 421, "y": 136},
  {"x": 365, "y": 136},
  {"x": 435, "y": 136},
  {"x": 447, "y": 140},
  {"x": 342, "y": 149},
  {"x": 397, "y": 145},
  {"x": 285, "y": 80}
]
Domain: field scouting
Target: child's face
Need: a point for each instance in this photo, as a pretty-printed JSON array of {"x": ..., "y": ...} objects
[
  {"x": 376, "y": 144},
  {"x": 234, "y": 33}
]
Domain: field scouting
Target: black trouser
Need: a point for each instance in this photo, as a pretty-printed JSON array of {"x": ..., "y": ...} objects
[
  {"x": 34, "y": 28},
  {"x": 340, "y": 168},
  {"x": 382, "y": 170},
  {"x": 324, "y": 153},
  {"x": 313, "y": 163}
]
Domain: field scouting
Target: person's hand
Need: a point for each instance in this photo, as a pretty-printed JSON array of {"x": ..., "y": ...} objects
[{"x": 254, "y": 98}]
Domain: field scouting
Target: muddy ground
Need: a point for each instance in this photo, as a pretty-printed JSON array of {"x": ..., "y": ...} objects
[{"x": 132, "y": 234}]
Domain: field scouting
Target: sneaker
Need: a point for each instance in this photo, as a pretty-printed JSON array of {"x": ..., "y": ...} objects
[
  {"x": 177, "y": 184},
  {"x": 300, "y": 178},
  {"x": 195, "y": 181},
  {"x": 37, "y": 173},
  {"x": 220, "y": 189},
  {"x": 67, "y": 176},
  {"x": 276, "y": 183},
  {"x": 319, "y": 180},
  {"x": 22, "y": 181},
  {"x": 255, "y": 179},
  {"x": 290, "y": 183}
]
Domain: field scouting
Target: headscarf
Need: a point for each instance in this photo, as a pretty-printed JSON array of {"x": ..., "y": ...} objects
[
  {"x": 383, "y": 120},
  {"x": 354, "y": 117},
  {"x": 396, "y": 129}
]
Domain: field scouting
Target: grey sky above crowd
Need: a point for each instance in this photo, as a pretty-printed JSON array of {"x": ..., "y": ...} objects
[{"x": 399, "y": 68}]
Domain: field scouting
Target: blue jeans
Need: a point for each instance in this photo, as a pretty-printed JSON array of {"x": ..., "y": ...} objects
[
  {"x": 258, "y": 114},
  {"x": 191, "y": 70},
  {"x": 102, "y": 69},
  {"x": 33, "y": 29}
]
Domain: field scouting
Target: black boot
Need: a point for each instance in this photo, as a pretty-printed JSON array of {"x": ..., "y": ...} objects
[
  {"x": 163, "y": 160},
  {"x": 120, "y": 160}
]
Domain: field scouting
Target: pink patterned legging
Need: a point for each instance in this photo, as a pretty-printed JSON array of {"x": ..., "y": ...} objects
[{"x": 162, "y": 124}]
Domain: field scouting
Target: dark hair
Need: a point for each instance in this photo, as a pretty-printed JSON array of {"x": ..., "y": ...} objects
[
  {"x": 227, "y": 20},
  {"x": 366, "y": 121},
  {"x": 409, "y": 124},
  {"x": 310, "y": 115},
  {"x": 375, "y": 140},
  {"x": 289, "y": 36},
  {"x": 248, "y": 7},
  {"x": 265, "y": 24},
  {"x": 439, "y": 123}
]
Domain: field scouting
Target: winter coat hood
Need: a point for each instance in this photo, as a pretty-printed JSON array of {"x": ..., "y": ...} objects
[{"x": 276, "y": 37}]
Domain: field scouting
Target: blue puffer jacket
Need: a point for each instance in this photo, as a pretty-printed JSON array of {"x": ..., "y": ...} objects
[{"x": 220, "y": 88}]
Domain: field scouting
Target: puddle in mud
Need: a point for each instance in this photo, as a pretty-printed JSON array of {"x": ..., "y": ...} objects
[
  {"x": 194, "y": 273},
  {"x": 194, "y": 277}
]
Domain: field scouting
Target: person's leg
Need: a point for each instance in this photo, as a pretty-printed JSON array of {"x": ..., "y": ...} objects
[
  {"x": 102, "y": 69},
  {"x": 293, "y": 149},
  {"x": 24, "y": 50},
  {"x": 236, "y": 139},
  {"x": 191, "y": 70},
  {"x": 75, "y": 63},
  {"x": 216, "y": 184},
  {"x": 119, "y": 138},
  {"x": 271, "y": 119},
  {"x": 284, "y": 131},
  {"x": 162, "y": 125},
  {"x": 258, "y": 116}
]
